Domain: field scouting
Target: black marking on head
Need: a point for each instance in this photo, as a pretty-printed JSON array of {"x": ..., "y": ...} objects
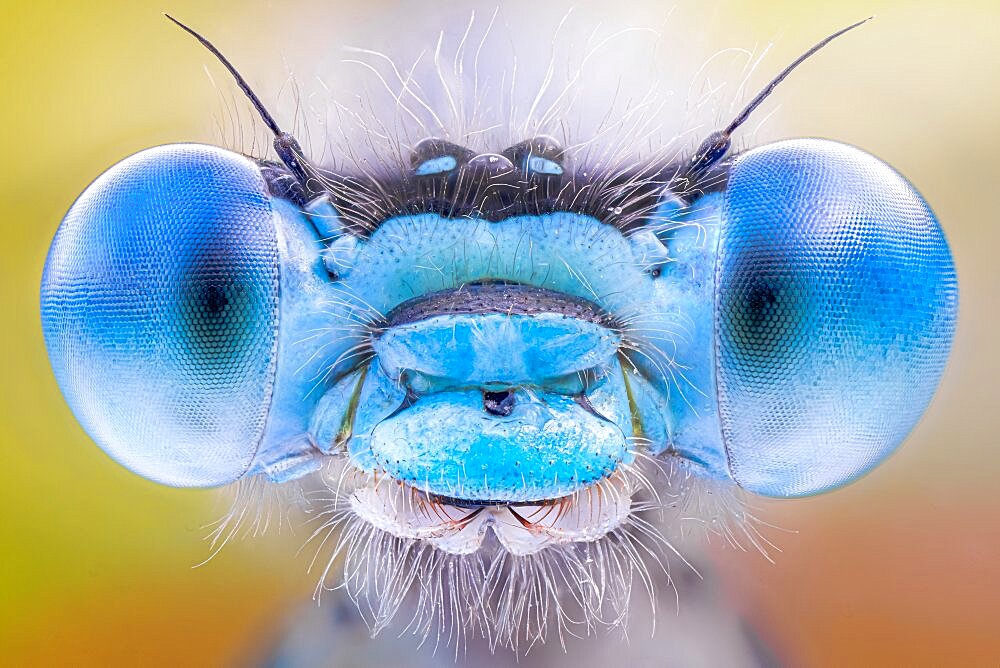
[
  {"x": 537, "y": 181},
  {"x": 502, "y": 298},
  {"x": 495, "y": 186},
  {"x": 533, "y": 181}
]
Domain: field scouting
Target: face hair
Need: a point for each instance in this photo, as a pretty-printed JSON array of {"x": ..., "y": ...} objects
[
  {"x": 516, "y": 601},
  {"x": 623, "y": 199},
  {"x": 564, "y": 589},
  {"x": 513, "y": 601}
]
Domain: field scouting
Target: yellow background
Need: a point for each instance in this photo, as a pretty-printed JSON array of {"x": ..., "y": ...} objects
[{"x": 95, "y": 563}]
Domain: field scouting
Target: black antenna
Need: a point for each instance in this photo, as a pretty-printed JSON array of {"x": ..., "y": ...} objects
[
  {"x": 285, "y": 145},
  {"x": 717, "y": 144}
]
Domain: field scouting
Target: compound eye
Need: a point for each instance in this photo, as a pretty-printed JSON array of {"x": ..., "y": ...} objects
[
  {"x": 159, "y": 306},
  {"x": 835, "y": 308}
]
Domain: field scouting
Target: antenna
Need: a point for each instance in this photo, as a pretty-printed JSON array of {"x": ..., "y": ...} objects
[
  {"x": 285, "y": 145},
  {"x": 717, "y": 144}
]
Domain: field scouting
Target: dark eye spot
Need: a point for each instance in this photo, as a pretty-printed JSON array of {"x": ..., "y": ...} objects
[
  {"x": 221, "y": 312},
  {"x": 760, "y": 297},
  {"x": 214, "y": 299},
  {"x": 764, "y": 315}
]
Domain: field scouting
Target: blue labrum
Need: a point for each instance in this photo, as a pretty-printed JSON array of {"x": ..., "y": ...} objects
[{"x": 785, "y": 331}]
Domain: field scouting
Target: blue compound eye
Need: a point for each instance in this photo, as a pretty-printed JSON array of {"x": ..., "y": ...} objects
[
  {"x": 160, "y": 310},
  {"x": 835, "y": 308}
]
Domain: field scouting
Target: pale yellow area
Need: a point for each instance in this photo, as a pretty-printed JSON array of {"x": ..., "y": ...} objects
[{"x": 95, "y": 563}]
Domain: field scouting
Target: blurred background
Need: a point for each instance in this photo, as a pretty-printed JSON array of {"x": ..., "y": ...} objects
[{"x": 96, "y": 563}]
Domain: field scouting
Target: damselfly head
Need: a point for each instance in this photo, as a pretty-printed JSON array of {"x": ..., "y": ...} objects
[{"x": 504, "y": 360}]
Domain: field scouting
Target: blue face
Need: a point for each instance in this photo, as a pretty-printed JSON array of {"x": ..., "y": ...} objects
[
  {"x": 488, "y": 367},
  {"x": 784, "y": 332},
  {"x": 497, "y": 364}
]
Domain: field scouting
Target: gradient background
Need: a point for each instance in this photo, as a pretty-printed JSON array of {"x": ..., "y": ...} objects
[{"x": 95, "y": 563}]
